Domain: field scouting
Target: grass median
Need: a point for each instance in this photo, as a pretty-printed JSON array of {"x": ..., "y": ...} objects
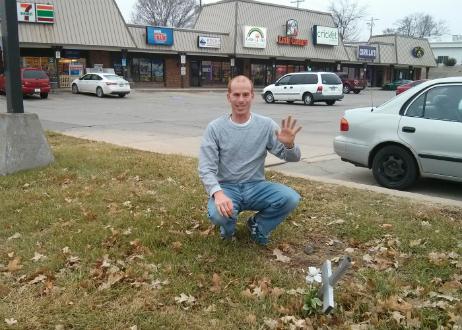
[{"x": 110, "y": 237}]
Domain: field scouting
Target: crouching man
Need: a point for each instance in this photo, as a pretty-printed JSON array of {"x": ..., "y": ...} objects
[{"x": 232, "y": 166}]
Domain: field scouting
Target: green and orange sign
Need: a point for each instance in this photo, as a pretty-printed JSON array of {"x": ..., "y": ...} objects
[{"x": 35, "y": 12}]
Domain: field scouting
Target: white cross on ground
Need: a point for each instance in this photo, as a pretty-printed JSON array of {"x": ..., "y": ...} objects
[{"x": 328, "y": 281}]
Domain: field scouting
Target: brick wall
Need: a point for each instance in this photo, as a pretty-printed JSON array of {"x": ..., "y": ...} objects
[
  {"x": 173, "y": 73},
  {"x": 99, "y": 57}
]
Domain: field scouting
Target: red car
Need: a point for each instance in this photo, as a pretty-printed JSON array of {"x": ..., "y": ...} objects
[
  {"x": 414, "y": 83},
  {"x": 34, "y": 81}
]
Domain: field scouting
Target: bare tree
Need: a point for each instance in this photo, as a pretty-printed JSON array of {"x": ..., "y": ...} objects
[
  {"x": 174, "y": 13},
  {"x": 346, "y": 15},
  {"x": 419, "y": 25}
]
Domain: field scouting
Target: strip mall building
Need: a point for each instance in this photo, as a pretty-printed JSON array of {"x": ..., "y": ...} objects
[{"x": 262, "y": 41}]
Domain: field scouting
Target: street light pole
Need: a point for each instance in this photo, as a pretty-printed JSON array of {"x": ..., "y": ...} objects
[
  {"x": 11, "y": 57},
  {"x": 371, "y": 24}
]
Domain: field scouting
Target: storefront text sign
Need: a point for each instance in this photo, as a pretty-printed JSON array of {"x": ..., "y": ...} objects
[
  {"x": 292, "y": 28},
  {"x": 35, "y": 12},
  {"x": 367, "y": 52},
  {"x": 209, "y": 42},
  {"x": 325, "y": 35},
  {"x": 418, "y": 52},
  {"x": 292, "y": 41},
  {"x": 71, "y": 53},
  {"x": 159, "y": 36},
  {"x": 254, "y": 37}
]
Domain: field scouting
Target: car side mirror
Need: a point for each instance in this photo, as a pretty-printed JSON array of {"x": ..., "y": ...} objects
[{"x": 276, "y": 83}]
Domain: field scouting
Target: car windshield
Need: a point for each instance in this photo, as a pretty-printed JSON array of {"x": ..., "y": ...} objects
[
  {"x": 113, "y": 78},
  {"x": 34, "y": 74}
]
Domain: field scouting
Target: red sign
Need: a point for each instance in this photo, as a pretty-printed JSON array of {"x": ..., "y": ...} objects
[
  {"x": 160, "y": 37},
  {"x": 292, "y": 41}
]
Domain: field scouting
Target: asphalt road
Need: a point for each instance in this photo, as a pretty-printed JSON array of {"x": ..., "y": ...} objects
[{"x": 174, "y": 122}]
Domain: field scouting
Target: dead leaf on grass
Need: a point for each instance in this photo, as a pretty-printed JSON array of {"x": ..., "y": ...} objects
[
  {"x": 17, "y": 235},
  {"x": 177, "y": 246},
  {"x": 38, "y": 257},
  {"x": 386, "y": 226},
  {"x": 14, "y": 265},
  {"x": 112, "y": 279},
  {"x": 336, "y": 222},
  {"x": 251, "y": 319},
  {"x": 280, "y": 256}
]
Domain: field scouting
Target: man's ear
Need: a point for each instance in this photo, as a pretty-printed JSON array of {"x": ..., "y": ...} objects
[{"x": 229, "y": 97}]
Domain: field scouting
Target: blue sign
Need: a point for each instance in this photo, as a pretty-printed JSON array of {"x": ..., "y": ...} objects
[
  {"x": 159, "y": 36},
  {"x": 418, "y": 52},
  {"x": 367, "y": 52},
  {"x": 124, "y": 62},
  {"x": 71, "y": 53}
]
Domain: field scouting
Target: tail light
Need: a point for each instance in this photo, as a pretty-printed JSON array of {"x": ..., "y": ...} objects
[
  {"x": 111, "y": 83},
  {"x": 319, "y": 89},
  {"x": 344, "y": 127}
]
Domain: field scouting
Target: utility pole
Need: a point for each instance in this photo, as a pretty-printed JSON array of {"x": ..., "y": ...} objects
[
  {"x": 371, "y": 23},
  {"x": 298, "y": 2}
]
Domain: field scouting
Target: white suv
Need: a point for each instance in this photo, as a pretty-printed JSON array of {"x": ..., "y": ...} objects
[{"x": 308, "y": 87}]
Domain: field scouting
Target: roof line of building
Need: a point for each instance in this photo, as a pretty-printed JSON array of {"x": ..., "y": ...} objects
[
  {"x": 126, "y": 25},
  {"x": 268, "y": 4},
  {"x": 179, "y": 29}
]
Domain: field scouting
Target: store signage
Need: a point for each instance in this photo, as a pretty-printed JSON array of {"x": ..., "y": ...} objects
[
  {"x": 209, "y": 42},
  {"x": 367, "y": 52},
  {"x": 159, "y": 36},
  {"x": 75, "y": 69},
  {"x": 292, "y": 41},
  {"x": 325, "y": 35},
  {"x": 418, "y": 52},
  {"x": 71, "y": 53},
  {"x": 254, "y": 37},
  {"x": 35, "y": 12},
  {"x": 292, "y": 28}
]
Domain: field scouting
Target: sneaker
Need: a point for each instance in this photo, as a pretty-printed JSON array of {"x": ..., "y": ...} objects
[
  {"x": 255, "y": 233},
  {"x": 231, "y": 238}
]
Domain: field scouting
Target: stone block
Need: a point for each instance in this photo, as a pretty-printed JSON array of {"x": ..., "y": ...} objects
[{"x": 23, "y": 145}]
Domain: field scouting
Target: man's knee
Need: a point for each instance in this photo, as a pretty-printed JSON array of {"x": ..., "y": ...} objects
[
  {"x": 216, "y": 218},
  {"x": 289, "y": 200}
]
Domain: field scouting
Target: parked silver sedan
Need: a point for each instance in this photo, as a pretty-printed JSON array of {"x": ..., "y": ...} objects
[
  {"x": 417, "y": 133},
  {"x": 101, "y": 84}
]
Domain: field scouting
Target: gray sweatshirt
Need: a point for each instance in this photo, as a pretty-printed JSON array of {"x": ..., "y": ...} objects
[{"x": 231, "y": 153}]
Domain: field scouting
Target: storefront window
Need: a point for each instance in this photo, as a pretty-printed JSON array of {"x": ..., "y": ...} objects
[
  {"x": 158, "y": 70},
  {"x": 44, "y": 63},
  {"x": 145, "y": 69},
  {"x": 134, "y": 71},
  {"x": 257, "y": 74},
  {"x": 216, "y": 72},
  {"x": 280, "y": 71}
]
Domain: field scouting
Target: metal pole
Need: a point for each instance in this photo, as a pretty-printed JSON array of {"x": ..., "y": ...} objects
[{"x": 11, "y": 57}]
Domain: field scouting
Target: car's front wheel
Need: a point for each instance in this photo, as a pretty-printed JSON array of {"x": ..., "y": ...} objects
[
  {"x": 387, "y": 88},
  {"x": 269, "y": 98},
  {"x": 99, "y": 92},
  {"x": 346, "y": 89},
  {"x": 75, "y": 89},
  {"x": 330, "y": 102},
  {"x": 44, "y": 95},
  {"x": 308, "y": 99},
  {"x": 395, "y": 168}
]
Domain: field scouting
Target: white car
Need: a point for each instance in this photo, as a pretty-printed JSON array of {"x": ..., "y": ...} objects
[
  {"x": 101, "y": 84},
  {"x": 309, "y": 87},
  {"x": 417, "y": 133}
]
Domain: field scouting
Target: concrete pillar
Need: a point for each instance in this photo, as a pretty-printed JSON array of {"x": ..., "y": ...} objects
[{"x": 23, "y": 145}]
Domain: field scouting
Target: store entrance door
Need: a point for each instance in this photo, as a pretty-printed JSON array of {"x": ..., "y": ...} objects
[
  {"x": 379, "y": 79},
  {"x": 195, "y": 74}
]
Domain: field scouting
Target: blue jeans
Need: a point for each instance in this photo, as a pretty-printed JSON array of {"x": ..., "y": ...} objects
[{"x": 273, "y": 202}]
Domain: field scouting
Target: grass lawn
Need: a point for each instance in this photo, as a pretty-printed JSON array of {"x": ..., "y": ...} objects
[{"x": 115, "y": 238}]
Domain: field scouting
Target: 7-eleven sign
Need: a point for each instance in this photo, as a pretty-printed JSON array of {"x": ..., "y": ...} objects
[
  {"x": 37, "y": 13},
  {"x": 26, "y": 12}
]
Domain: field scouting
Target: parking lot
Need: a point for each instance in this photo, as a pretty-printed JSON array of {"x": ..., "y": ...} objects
[{"x": 174, "y": 121}]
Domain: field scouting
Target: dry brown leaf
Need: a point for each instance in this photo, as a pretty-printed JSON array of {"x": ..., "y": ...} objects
[
  {"x": 439, "y": 259},
  {"x": 353, "y": 243},
  {"x": 415, "y": 242},
  {"x": 386, "y": 226},
  {"x": 176, "y": 246},
  {"x": 89, "y": 215},
  {"x": 4, "y": 290},
  {"x": 251, "y": 319},
  {"x": 393, "y": 303},
  {"x": 247, "y": 294},
  {"x": 208, "y": 231},
  {"x": 276, "y": 292},
  {"x": 14, "y": 265},
  {"x": 112, "y": 208},
  {"x": 216, "y": 280},
  {"x": 112, "y": 279},
  {"x": 280, "y": 256}
]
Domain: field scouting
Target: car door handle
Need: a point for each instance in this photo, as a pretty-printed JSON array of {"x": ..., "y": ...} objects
[
  {"x": 285, "y": 87},
  {"x": 291, "y": 87},
  {"x": 407, "y": 129}
]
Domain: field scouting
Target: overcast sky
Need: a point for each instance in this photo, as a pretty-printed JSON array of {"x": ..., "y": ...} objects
[{"x": 386, "y": 11}]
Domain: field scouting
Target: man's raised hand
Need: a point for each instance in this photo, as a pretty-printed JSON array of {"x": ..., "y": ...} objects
[{"x": 288, "y": 131}]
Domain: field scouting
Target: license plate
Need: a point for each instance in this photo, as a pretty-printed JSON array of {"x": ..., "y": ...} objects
[
  {"x": 121, "y": 85},
  {"x": 37, "y": 90},
  {"x": 333, "y": 88}
]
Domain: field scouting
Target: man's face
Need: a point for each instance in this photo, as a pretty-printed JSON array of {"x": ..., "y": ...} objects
[{"x": 240, "y": 97}]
